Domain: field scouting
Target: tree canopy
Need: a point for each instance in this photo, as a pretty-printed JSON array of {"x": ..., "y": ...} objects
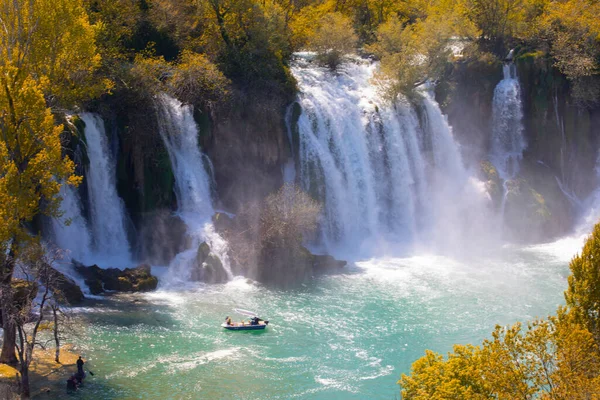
[{"x": 553, "y": 358}]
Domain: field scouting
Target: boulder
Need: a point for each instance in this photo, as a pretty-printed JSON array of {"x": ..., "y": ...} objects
[
  {"x": 65, "y": 289},
  {"x": 208, "y": 267},
  {"x": 326, "y": 263},
  {"x": 138, "y": 279},
  {"x": 289, "y": 266},
  {"x": 92, "y": 277}
]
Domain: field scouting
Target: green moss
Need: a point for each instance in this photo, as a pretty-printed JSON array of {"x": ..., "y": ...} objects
[
  {"x": 124, "y": 284},
  {"x": 530, "y": 55},
  {"x": 146, "y": 284}
]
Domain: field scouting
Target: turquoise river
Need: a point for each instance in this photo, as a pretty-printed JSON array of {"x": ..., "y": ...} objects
[{"x": 346, "y": 336}]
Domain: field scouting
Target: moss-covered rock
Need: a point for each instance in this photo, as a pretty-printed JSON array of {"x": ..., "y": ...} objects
[
  {"x": 208, "y": 267},
  {"x": 65, "y": 289},
  {"x": 289, "y": 266},
  {"x": 139, "y": 279},
  {"x": 493, "y": 183},
  {"x": 526, "y": 212}
]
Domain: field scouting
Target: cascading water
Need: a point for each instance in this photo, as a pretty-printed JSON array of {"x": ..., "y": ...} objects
[
  {"x": 192, "y": 184},
  {"x": 508, "y": 142},
  {"x": 354, "y": 154},
  {"x": 75, "y": 237},
  {"x": 107, "y": 210},
  {"x": 377, "y": 171}
]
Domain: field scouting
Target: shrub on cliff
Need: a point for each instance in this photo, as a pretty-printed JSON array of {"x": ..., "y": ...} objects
[
  {"x": 332, "y": 39},
  {"x": 196, "y": 80},
  {"x": 266, "y": 238},
  {"x": 287, "y": 216}
]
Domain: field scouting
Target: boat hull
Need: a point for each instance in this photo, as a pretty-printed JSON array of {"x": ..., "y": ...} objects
[{"x": 244, "y": 327}]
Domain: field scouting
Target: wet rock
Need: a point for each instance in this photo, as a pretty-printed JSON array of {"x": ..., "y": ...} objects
[
  {"x": 208, "y": 267},
  {"x": 287, "y": 266},
  {"x": 325, "y": 263},
  {"x": 65, "y": 289},
  {"x": 139, "y": 279}
]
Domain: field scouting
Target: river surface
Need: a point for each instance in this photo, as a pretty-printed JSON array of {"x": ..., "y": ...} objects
[{"x": 346, "y": 336}]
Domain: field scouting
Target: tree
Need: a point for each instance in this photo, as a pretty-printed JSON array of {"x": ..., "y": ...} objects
[
  {"x": 333, "y": 38},
  {"x": 249, "y": 40},
  {"x": 570, "y": 30},
  {"x": 53, "y": 42},
  {"x": 196, "y": 80},
  {"x": 47, "y": 51},
  {"x": 498, "y": 20},
  {"x": 552, "y": 359},
  {"x": 28, "y": 314},
  {"x": 583, "y": 293},
  {"x": 31, "y": 171}
]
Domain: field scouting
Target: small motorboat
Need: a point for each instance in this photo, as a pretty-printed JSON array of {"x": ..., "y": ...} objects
[
  {"x": 255, "y": 322},
  {"x": 246, "y": 326}
]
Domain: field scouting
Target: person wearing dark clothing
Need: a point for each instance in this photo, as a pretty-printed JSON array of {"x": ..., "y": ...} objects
[
  {"x": 79, "y": 376},
  {"x": 72, "y": 383},
  {"x": 80, "y": 366}
]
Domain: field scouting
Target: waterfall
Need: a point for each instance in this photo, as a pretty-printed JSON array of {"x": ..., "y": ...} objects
[
  {"x": 107, "y": 210},
  {"x": 192, "y": 184},
  {"x": 354, "y": 154},
  {"x": 379, "y": 172},
  {"x": 507, "y": 143},
  {"x": 75, "y": 238}
]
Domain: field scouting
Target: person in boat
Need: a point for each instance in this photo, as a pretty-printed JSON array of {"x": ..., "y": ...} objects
[
  {"x": 228, "y": 321},
  {"x": 255, "y": 321},
  {"x": 72, "y": 383}
]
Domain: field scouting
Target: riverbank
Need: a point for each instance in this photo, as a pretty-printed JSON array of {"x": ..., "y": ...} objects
[{"x": 45, "y": 373}]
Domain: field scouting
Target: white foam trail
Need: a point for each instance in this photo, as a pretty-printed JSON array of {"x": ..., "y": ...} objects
[
  {"x": 106, "y": 207},
  {"x": 192, "y": 185}
]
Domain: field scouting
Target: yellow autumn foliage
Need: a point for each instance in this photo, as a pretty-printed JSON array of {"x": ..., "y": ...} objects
[
  {"x": 53, "y": 41},
  {"x": 554, "y": 358}
]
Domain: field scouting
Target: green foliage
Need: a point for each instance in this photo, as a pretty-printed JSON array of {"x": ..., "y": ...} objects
[
  {"x": 333, "y": 38},
  {"x": 550, "y": 359},
  {"x": 583, "y": 294},
  {"x": 553, "y": 358},
  {"x": 195, "y": 80}
]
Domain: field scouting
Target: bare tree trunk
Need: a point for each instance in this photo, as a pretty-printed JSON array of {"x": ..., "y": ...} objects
[
  {"x": 56, "y": 338},
  {"x": 6, "y": 303},
  {"x": 8, "y": 345},
  {"x": 25, "y": 390}
]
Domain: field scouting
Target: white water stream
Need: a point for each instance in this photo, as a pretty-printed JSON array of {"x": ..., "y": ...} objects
[
  {"x": 107, "y": 211},
  {"x": 192, "y": 186},
  {"x": 383, "y": 174}
]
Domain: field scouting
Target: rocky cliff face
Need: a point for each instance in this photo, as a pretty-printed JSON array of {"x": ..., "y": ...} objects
[
  {"x": 248, "y": 148},
  {"x": 558, "y": 165}
]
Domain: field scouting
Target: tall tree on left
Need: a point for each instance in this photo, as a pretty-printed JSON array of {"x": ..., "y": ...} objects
[{"x": 47, "y": 57}]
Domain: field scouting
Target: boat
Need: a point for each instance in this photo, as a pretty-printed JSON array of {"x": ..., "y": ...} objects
[
  {"x": 256, "y": 323},
  {"x": 245, "y": 326}
]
